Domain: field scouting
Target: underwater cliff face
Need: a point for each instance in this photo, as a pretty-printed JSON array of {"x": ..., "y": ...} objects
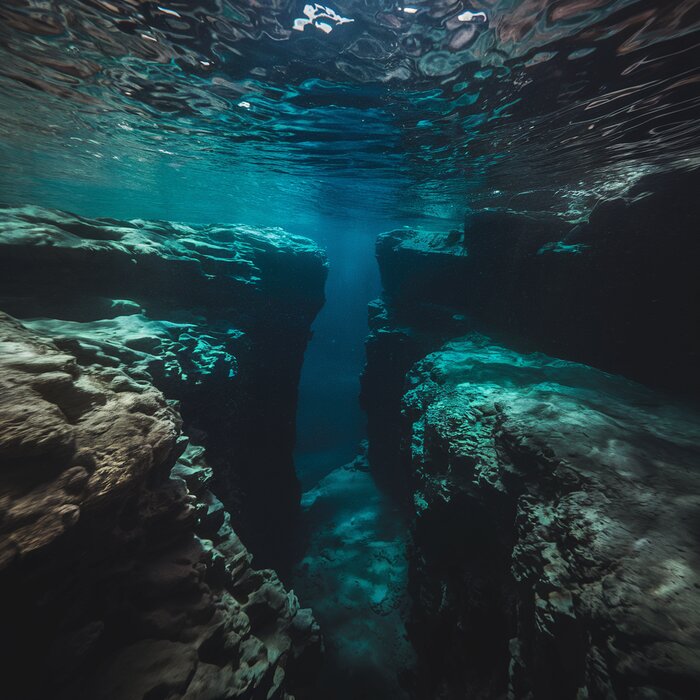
[
  {"x": 613, "y": 291},
  {"x": 121, "y": 575},
  {"x": 102, "y": 492},
  {"x": 552, "y": 506},
  {"x": 178, "y": 384},
  {"x": 218, "y": 316},
  {"x": 568, "y": 562}
]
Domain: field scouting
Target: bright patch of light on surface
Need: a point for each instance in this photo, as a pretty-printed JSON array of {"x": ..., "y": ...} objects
[
  {"x": 472, "y": 17},
  {"x": 244, "y": 104},
  {"x": 410, "y": 10},
  {"x": 169, "y": 12},
  {"x": 314, "y": 13}
]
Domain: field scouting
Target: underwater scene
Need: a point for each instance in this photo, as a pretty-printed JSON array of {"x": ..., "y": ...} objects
[{"x": 350, "y": 351}]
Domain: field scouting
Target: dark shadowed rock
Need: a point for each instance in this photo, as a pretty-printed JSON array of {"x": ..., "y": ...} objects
[
  {"x": 616, "y": 291},
  {"x": 399, "y": 336},
  {"x": 121, "y": 577}
]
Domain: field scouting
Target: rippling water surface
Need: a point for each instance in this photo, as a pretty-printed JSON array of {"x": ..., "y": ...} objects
[
  {"x": 340, "y": 121},
  {"x": 415, "y": 110}
]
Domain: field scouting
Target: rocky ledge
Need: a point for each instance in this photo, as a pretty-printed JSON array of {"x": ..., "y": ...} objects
[
  {"x": 216, "y": 317},
  {"x": 120, "y": 575},
  {"x": 555, "y": 530},
  {"x": 612, "y": 291}
]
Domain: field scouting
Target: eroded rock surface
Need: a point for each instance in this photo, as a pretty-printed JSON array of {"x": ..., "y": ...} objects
[
  {"x": 555, "y": 537},
  {"x": 217, "y": 317},
  {"x": 120, "y": 574}
]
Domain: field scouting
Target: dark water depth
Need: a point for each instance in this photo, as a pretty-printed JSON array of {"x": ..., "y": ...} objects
[{"x": 330, "y": 423}]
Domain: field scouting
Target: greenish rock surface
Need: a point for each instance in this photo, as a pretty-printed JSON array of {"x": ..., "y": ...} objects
[
  {"x": 555, "y": 538},
  {"x": 217, "y": 256},
  {"x": 177, "y": 354}
]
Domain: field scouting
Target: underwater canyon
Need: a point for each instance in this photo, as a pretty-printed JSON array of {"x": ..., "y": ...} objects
[{"x": 349, "y": 351}]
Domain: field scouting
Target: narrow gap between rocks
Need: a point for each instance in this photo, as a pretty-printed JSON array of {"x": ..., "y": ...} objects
[{"x": 353, "y": 569}]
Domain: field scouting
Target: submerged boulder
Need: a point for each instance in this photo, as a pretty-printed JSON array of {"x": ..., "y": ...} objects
[{"x": 555, "y": 529}]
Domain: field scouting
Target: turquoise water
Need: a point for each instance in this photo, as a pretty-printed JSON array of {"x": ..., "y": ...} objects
[
  {"x": 354, "y": 570},
  {"x": 221, "y": 109},
  {"x": 369, "y": 115}
]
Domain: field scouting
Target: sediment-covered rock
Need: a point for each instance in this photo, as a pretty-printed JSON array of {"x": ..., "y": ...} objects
[
  {"x": 120, "y": 574},
  {"x": 555, "y": 536},
  {"x": 217, "y": 317}
]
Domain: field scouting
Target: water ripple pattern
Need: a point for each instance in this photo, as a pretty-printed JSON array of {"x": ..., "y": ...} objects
[{"x": 419, "y": 108}]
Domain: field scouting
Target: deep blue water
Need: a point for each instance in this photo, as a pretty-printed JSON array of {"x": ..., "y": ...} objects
[{"x": 330, "y": 423}]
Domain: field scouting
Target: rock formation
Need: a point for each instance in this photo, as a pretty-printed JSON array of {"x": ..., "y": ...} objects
[
  {"x": 217, "y": 316},
  {"x": 120, "y": 575},
  {"x": 613, "y": 292},
  {"x": 555, "y": 532},
  {"x": 399, "y": 336},
  {"x": 554, "y": 507}
]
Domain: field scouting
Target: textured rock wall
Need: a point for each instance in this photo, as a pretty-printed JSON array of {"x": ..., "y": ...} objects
[
  {"x": 555, "y": 531},
  {"x": 399, "y": 336},
  {"x": 217, "y": 316},
  {"x": 615, "y": 292},
  {"x": 554, "y": 507},
  {"x": 120, "y": 574}
]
